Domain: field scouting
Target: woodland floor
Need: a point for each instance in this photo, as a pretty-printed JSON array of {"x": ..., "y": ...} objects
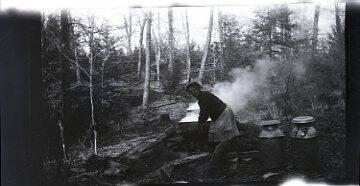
[{"x": 110, "y": 168}]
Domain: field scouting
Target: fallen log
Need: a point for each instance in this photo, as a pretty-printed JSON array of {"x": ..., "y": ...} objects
[
  {"x": 163, "y": 174},
  {"x": 248, "y": 154},
  {"x": 147, "y": 145},
  {"x": 167, "y": 169},
  {"x": 171, "y": 103}
]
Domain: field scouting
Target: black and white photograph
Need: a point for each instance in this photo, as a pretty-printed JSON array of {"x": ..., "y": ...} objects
[{"x": 188, "y": 93}]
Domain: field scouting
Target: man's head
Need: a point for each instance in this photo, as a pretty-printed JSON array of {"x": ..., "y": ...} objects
[{"x": 193, "y": 88}]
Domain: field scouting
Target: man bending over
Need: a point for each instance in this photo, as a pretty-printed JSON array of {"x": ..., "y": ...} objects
[{"x": 222, "y": 130}]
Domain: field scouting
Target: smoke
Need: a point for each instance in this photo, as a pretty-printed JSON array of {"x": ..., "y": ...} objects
[
  {"x": 299, "y": 69},
  {"x": 244, "y": 84}
]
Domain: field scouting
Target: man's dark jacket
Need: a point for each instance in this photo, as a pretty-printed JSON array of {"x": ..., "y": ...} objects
[{"x": 210, "y": 106}]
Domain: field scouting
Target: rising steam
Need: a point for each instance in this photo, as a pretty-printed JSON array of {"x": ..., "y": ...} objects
[
  {"x": 240, "y": 90},
  {"x": 244, "y": 84}
]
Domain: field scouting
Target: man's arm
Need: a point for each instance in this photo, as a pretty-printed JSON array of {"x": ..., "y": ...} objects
[{"x": 203, "y": 115}]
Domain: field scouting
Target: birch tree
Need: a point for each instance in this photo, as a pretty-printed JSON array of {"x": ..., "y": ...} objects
[
  {"x": 88, "y": 32},
  {"x": 221, "y": 43},
  {"x": 171, "y": 40},
  {"x": 188, "y": 61},
  {"x": 337, "y": 19},
  {"x": 108, "y": 43},
  {"x": 214, "y": 62},
  {"x": 315, "y": 30},
  {"x": 91, "y": 72},
  {"x": 157, "y": 56},
  {"x": 74, "y": 48},
  {"x": 142, "y": 25},
  {"x": 207, "y": 43},
  {"x": 157, "y": 40},
  {"x": 147, "y": 65},
  {"x": 65, "y": 68},
  {"x": 78, "y": 77},
  {"x": 129, "y": 32}
]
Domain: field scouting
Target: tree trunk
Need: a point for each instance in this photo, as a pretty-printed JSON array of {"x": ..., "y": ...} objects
[
  {"x": 102, "y": 81},
  {"x": 337, "y": 19},
  {"x": 128, "y": 29},
  {"x": 159, "y": 41},
  {"x": 61, "y": 131},
  {"x": 188, "y": 61},
  {"x": 270, "y": 44},
  {"x": 270, "y": 38},
  {"x": 171, "y": 40},
  {"x": 214, "y": 63},
  {"x": 91, "y": 61},
  {"x": 147, "y": 66},
  {"x": 65, "y": 67},
  {"x": 221, "y": 40},
  {"x": 78, "y": 77},
  {"x": 287, "y": 86},
  {"x": 208, "y": 39},
  {"x": 315, "y": 30},
  {"x": 93, "y": 126},
  {"x": 142, "y": 25},
  {"x": 157, "y": 57}
]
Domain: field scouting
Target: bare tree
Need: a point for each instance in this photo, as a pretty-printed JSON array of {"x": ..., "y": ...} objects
[
  {"x": 337, "y": 19},
  {"x": 65, "y": 67},
  {"x": 91, "y": 71},
  {"x": 102, "y": 79},
  {"x": 214, "y": 62},
  {"x": 74, "y": 47},
  {"x": 315, "y": 30},
  {"x": 188, "y": 61},
  {"x": 142, "y": 25},
  {"x": 157, "y": 40},
  {"x": 207, "y": 43},
  {"x": 129, "y": 32},
  {"x": 147, "y": 65},
  {"x": 287, "y": 86},
  {"x": 78, "y": 77},
  {"x": 158, "y": 56},
  {"x": 171, "y": 40},
  {"x": 88, "y": 33},
  {"x": 221, "y": 43}
]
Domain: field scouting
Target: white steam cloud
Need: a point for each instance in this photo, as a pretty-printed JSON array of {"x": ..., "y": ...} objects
[
  {"x": 299, "y": 69},
  {"x": 244, "y": 84}
]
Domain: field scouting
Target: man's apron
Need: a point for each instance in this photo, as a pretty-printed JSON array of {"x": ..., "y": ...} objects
[{"x": 224, "y": 128}]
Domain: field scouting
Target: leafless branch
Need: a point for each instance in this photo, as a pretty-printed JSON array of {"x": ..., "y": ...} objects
[
  {"x": 80, "y": 67},
  {"x": 78, "y": 85}
]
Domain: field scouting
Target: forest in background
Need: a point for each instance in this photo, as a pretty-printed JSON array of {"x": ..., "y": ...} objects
[{"x": 100, "y": 93}]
